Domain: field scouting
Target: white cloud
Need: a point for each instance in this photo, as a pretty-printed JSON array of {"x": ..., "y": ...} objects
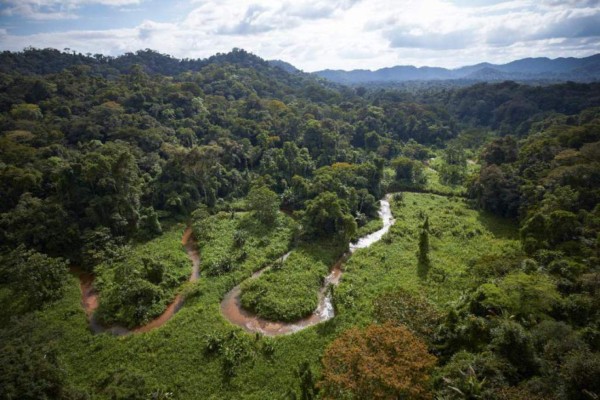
[
  {"x": 55, "y": 9},
  {"x": 345, "y": 34}
]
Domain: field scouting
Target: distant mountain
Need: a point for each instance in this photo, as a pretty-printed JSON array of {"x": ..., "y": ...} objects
[{"x": 527, "y": 69}]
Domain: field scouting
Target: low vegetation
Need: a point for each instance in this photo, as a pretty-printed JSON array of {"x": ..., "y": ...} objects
[
  {"x": 237, "y": 243},
  {"x": 289, "y": 290},
  {"x": 137, "y": 285}
]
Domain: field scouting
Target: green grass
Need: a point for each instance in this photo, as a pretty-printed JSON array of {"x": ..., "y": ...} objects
[
  {"x": 459, "y": 236},
  {"x": 241, "y": 245},
  {"x": 373, "y": 225},
  {"x": 173, "y": 357}
]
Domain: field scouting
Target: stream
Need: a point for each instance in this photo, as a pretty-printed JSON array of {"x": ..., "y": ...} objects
[
  {"x": 232, "y": 310},
  {"x": 89, "y": 296}
]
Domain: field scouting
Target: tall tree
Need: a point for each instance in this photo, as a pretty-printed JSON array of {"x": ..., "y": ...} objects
[
  {"x": 423, "y": 261},
  {"x": 327, "y": 215},
  {"x": 265, "y": 204}
]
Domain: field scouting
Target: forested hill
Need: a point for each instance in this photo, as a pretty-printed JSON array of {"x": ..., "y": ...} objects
[
  {"x": 45, "y": 61},
  {"x": 105, "y": 159},
  {"x": 91, "y": 142}
]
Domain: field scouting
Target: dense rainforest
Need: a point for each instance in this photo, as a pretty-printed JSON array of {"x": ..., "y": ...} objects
[{"x": 486, "y": 286}]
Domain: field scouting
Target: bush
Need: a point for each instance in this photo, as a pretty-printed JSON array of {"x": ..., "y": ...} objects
[
  {"x": 580, "y": 374},
  {"x": 220, "y": 266},
  {"x": 554, "y": 341},
  {"x": 404, "y": 308},
  {"x": 471, "y": 376},
  {"x": 511, "y": 341}
]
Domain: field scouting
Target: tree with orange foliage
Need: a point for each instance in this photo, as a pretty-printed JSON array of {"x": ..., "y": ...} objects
[{"x": 379, "y": 362}]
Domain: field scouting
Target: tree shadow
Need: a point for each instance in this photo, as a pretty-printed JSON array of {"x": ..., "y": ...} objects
[
  {"x": 255, "y": 227},
  {"x": 503, "y": 228}
]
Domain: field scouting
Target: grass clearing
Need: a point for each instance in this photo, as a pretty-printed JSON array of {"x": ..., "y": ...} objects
[{"x": 458, "y": 237}]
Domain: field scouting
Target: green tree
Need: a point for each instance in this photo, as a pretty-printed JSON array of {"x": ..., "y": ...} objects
[
  {"x": 265, "y": 204},
  {"x": 35, "y": 277},
  {"x": 580, "y": 374},
  {"x": 511, "y": 341},
  {"x": 454, "y": 167},
  {"x": 414, "y": 311},
  {"x": 500, "y": 150},
  {"x": 29, "y": 112},
  {"x": 327, "y": 215},
  {"x": 30, "y": 364},
  {"x": 112, "y": 179},
  {"x": 202, "y": 165},
  {"x": 423, "y": 260},
  {"x": 149, "y": 226},
  {"x": 525, "y": 295},
  {"x": 562, "y": 226},
  {"x": 497, "y": 191},
  {"x": 471, "y": 376},
  {"x": 409, "y": 172},
  {"x": 308, "y": 389}
]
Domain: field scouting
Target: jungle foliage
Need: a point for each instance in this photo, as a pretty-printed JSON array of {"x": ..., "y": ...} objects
[{"x": 492, "y": 267}]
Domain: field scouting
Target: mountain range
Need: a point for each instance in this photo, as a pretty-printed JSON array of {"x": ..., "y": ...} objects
[{"x": 527, "y": 69}]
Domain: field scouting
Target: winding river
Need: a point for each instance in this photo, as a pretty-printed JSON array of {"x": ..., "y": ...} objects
[
  {"x": 232, "y": 310},
  {"x": 231, "y": 307},
  {"x": 89, "y": 296}
]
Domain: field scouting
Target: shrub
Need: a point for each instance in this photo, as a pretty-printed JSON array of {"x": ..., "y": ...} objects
[
  {"x": 471, "y": 376},
  {"x": 404, "y": 308}
]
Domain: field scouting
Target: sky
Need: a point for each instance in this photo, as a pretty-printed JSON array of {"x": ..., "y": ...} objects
[{"x": 312, "y": 34}]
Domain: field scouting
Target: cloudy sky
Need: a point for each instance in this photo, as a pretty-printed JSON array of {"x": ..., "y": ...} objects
[{"x": 312, "y": 34}]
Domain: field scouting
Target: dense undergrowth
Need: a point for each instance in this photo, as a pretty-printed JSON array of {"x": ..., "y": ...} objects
[
  {"x": 137, "y": 285},
  {"x": 238, "y": 243},
  {"x": 289, "y": 290}
]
